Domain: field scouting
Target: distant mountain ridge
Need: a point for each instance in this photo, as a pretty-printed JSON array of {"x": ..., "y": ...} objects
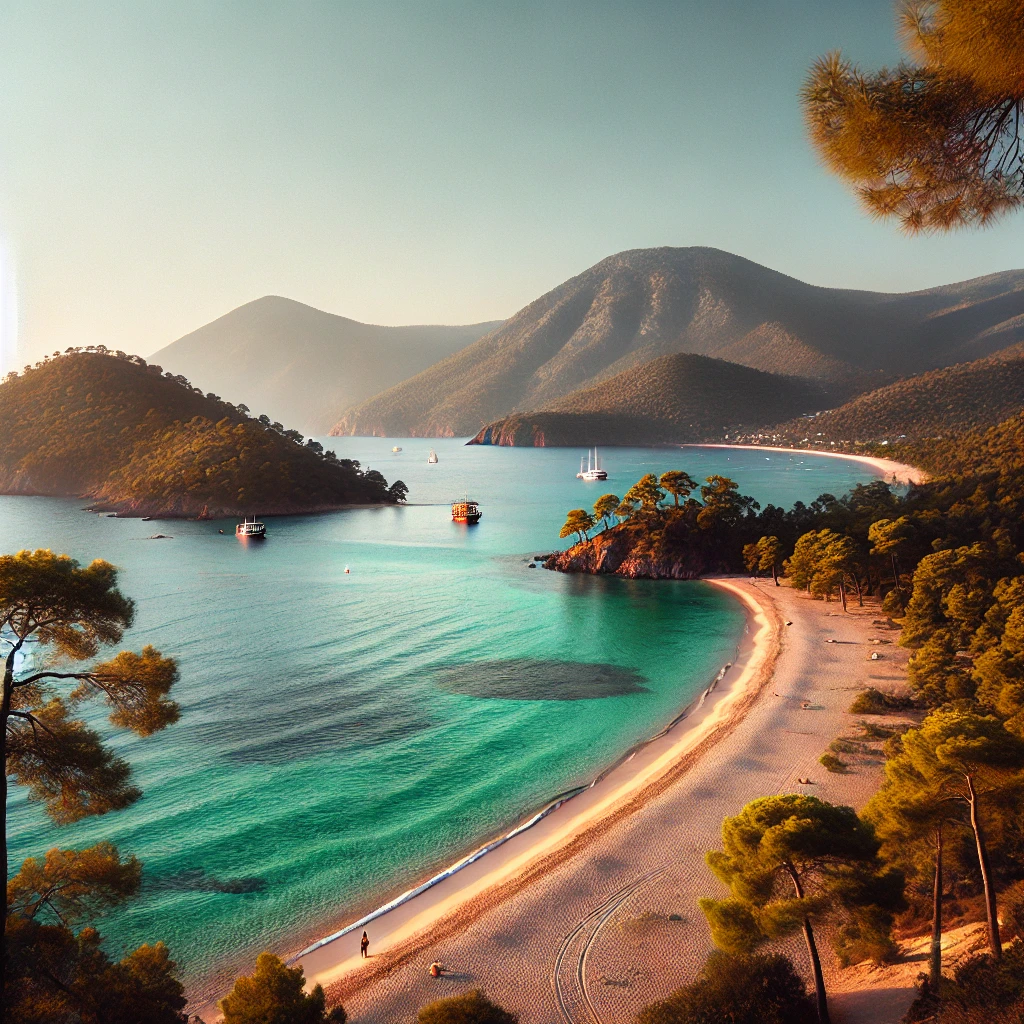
[
  {"x": 676, "y": 398},
  {"x": 302, "y": 366},
  {"x": 644, "y": 303}
]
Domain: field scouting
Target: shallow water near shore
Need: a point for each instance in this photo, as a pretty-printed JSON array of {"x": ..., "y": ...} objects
[{"x": 344, "y": 734}]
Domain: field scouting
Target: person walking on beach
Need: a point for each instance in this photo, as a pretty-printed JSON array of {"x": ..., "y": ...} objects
[{"x": 364, "y": 945}]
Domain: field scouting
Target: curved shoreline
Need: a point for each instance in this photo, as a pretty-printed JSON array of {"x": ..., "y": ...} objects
[
  {"x": 553, "y": 805},
  {"x": 904, "y": 473},
  {"x": 492, "y": 873}
]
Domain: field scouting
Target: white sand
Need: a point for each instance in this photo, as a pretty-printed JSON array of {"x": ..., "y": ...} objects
[{"x": 886, "y": 468}]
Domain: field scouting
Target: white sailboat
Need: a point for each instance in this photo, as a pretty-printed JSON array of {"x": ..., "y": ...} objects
[
  {"x": 432, "y": 457},
  {"x": 593, "y": 471}
]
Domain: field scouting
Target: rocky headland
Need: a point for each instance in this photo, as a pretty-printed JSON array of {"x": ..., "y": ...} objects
[{"x": 621, "y": 552}]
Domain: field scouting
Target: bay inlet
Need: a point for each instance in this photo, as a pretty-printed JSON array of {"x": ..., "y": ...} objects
[{"x": 344, "y": 736}]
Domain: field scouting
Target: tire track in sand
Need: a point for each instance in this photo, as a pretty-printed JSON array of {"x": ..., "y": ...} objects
[{"x": 569, "y": 976}]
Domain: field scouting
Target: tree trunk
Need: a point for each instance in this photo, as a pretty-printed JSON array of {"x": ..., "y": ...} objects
[
  {"x": 991, "y": 910},
  {"x": 895, "y": 574},
  {"x": 775, "y": 573},
  {"x": 812, "y": 952},
  {"x": 935, "y": 970},
  {"x": 819, "y": 979},
  {"x": 860, "y": 596},
  {"x": 842, "y": 594}
]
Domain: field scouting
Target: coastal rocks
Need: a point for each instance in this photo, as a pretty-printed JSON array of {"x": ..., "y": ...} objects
[
  {"x": 604, "y": 553},
  {"x": 616, "y": 552}
]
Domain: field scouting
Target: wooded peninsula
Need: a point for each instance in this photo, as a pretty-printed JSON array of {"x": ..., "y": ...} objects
[{"x": 134, "y": 440}]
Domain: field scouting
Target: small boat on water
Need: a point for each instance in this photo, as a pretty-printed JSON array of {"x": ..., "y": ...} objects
[
  {"x": 466, "y": 512},
  {"x": 593, "y": 471},
  {"x": 432, "y": 458},
  {"x": 397, "y": 448},
  {"x": 251, "y": 529}
]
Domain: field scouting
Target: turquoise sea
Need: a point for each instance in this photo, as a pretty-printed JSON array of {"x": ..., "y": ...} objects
[{"x": 342, "y": 735}]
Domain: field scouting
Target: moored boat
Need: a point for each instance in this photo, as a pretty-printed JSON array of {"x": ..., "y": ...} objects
[
  {"x": 397, "y": 448},
  {"x": 432, "y": 457},
  {"x": 592, "y": 472},
  {"x": 466, "y": 512},
  {"x": 251, "y": 529}
]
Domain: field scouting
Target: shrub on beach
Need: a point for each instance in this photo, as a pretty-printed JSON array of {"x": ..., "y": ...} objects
[
  {"x": 875, "y": 702},
  {"x": 470, "y": 1008},
  {"x": 832, "y": 763},
  {"x": 274, "y": 995},
  {"x": 755, "y": 989},
  {"x": 982, "y": 991}
]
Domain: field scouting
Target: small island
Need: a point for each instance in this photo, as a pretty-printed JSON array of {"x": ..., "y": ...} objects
[{"x": 136, "y": 441}]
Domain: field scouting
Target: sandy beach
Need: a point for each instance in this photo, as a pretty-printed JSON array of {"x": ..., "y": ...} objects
[
  {"x": 591, "y": 914},
  {"x": 596, "y": 914},
  {"x": 450, "y": 903},
  {"x": 886, "y": 468}
]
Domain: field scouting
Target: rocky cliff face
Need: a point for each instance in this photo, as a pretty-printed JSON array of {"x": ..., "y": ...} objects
[{"x": 617, "y": 552}]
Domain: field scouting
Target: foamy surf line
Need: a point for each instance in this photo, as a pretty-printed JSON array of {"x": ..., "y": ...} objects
[{"x": 549, "y": 808}]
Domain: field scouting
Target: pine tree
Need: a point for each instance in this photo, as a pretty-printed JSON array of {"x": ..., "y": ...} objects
[{"x": 936, "y": 142}]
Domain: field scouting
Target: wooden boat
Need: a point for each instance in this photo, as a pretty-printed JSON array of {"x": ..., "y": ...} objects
[
  {"x": 466, "y": 512},
  {"x": 251, "y": 529}
]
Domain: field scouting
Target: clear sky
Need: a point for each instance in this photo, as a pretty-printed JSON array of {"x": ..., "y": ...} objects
[{"x": 421, "y": 162}]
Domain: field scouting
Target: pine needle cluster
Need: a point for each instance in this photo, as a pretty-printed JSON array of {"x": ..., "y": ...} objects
[{"x": 936, "y": 141}]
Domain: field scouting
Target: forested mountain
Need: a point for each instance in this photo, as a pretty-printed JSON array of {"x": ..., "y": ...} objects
[
  {"x": 130, "y": 438},
  {"x": 302, "y": 366},
  {"x": 979, "y": 453},
  {"x": 645, "y": 303},
  {"x": 674, "y": 398},
  {"x": 953, "y": 400}
]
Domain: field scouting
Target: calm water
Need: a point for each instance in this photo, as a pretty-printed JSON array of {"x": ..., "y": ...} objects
[{"x": 340, "y": 734}]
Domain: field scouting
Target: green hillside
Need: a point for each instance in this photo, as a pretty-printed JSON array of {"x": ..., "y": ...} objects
[
  {"x": 676, "y": 398},
  {"x": 953, "y": 400},
  {"x": 130, "y": 438},
  {"x": 638, "y": 305},
  {"x": 999, "y": 449}
]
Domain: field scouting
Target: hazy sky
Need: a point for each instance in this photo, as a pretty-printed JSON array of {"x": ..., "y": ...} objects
[{"x": 417, "y": 162}]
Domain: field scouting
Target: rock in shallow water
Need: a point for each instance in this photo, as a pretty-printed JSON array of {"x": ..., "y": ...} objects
[{"x": 537, "y": 679}]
